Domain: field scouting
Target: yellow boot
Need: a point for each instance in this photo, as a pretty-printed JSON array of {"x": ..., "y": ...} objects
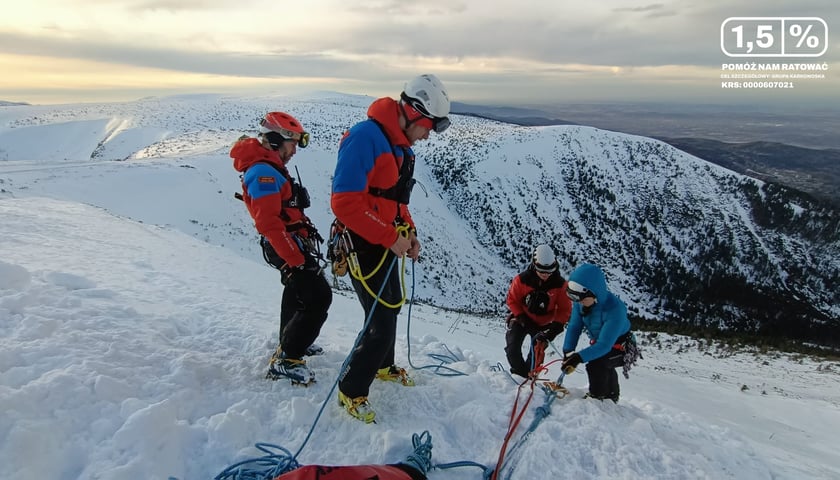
[{"x": 359, "y": 407}]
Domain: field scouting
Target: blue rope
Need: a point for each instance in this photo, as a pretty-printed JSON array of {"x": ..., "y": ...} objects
[
  {"x": 488, "y": 472},
  {"x": 280, "y": 464},
  {"x": 421, "y": 458},
  {"x": 272, "y": 465},
  {"x": 443, "y": 359},
  {"x": 539, "y": 414},
  {"x": 349, "y": 357}
]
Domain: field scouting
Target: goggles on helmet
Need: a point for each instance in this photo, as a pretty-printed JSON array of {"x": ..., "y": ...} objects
[
  {"x": 577, "y": 292},
  {"x": 439, "y": 124},
  {"x": 545, "y": 268},
  {"x": 302, "y": 139}
]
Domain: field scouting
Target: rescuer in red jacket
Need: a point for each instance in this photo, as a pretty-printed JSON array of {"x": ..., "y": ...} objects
[
  {"x": 288, "y": 238},
  {"x": 538, "y": 307}
]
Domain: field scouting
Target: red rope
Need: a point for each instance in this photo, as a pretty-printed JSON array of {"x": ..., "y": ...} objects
[
  {"x": 515, "y": 418},
  {"x": 514, "y": 422}
]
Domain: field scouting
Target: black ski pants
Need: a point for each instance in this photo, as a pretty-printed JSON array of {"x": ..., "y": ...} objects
[
  {"x": 306, "y": 299},
  {"x": 375, "y": 349},
  {"x": 603, "y": 379},
  {"x": 514, "y": 338}
]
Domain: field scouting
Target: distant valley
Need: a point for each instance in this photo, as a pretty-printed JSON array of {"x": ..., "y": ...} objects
[{"x": 800, "y": 151}]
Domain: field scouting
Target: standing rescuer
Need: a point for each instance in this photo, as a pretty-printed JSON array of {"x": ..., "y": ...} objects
[
  {"x": 288, "y": 238},
  {"x": 371, "y": 189}
]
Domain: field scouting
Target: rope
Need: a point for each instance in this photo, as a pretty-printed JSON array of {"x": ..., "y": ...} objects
[
  {"x": 515, "y": 418},
  {"x": 349, "y": 357},
  {"x": 421, "y": 458},
  {"x": 443, "y": 359},
  {"x": 539, "y": 414},
  {"x": 355, "y": 270},
  {"x": 280, "y": 464},
  {"x": 272, "y": 465},
  {"x": 552, "y": 390},
  {"x": 487, "y": 471}
]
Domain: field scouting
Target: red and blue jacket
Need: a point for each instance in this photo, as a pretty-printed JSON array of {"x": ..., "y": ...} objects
[
  {"x": 370, "y": 157},
  {"x": 266, "y": 189}
]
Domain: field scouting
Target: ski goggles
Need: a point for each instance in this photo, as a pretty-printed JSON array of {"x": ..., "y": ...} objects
[
  {"x": 281, "y": 134},
  {"x": 545, "y": 268},
  {"x": 423, "y": 117},
  {"x": 577, "y": 292}
]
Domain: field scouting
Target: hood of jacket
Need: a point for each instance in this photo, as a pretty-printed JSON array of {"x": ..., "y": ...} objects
[
  {"x": 386, "y": 113},
  {"x": 591, "y": 277},
  {"x": 249, "y": 151}
]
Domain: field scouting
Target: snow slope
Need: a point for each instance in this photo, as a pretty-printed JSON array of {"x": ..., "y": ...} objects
[{"x": 136, "y": 351}]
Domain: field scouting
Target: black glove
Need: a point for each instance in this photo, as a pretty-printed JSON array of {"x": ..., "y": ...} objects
[
  {"x": 570, "y": 363},
  {"x": 511, "y": 318},
  {"x": 549, "y": 333}
]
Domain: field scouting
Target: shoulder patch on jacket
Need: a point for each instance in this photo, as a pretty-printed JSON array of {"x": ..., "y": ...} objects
[{"x": 267, "y": 184}]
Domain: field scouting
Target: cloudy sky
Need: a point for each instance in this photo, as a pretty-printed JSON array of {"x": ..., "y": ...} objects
[{"x": 488, "y": 51}]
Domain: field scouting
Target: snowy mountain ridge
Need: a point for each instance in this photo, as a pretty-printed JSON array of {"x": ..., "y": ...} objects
[{"x": 681, "y": 239}]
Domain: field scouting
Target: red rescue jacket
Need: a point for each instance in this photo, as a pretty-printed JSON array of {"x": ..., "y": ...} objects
[{"x": 558, "y": 307}]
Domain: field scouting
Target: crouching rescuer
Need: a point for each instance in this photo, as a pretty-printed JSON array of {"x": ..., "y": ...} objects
[
  {"x": 604, "y": 317},
  {"x": 538, "y": 307},
  {"x": 289, "y": 240}
]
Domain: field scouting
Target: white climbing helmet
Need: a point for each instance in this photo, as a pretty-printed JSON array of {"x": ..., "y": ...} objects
[
  {"x": 429, "y": 91},
  {"x": 544, "y": 260}
]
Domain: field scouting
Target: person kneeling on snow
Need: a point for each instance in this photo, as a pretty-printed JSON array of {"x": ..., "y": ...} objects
[
  {"x": 538, "y": 308},
  {"x": 604, "y": 316}
]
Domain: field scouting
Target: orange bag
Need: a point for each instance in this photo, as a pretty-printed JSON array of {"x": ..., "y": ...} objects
[{"x": 353, "y": 472}]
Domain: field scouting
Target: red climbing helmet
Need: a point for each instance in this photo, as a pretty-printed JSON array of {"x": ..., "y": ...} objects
[{"x": 285, "y": 126}]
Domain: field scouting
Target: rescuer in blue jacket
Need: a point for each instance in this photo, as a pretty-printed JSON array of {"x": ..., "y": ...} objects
[{"x": 604, "y": 316}]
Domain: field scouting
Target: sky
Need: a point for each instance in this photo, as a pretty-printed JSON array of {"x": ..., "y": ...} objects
[
  {"x": 490, "y": 52},
  {"x": 134, "y": 341}
]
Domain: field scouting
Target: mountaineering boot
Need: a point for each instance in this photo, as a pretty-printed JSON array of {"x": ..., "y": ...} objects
[
  {"x": 359, "y": 407},
  {"x": 291, "y": 368},
  {"x": 613, "y": 398},
  {"x": 276, "y": 357},
  {"x": 313, "y": 350},
  {"x": 395, "y": 374}
]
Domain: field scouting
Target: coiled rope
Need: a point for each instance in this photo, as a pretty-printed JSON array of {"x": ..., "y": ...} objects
[{"x": 355, "y": 269}]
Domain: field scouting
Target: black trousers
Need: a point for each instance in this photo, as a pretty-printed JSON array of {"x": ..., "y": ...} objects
[
  {"x": 303, "y": 311},
  {"x": 603, "y": 379},
  {"x": 514, "y": 338},
  {"x": 376, "y": 345}
]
